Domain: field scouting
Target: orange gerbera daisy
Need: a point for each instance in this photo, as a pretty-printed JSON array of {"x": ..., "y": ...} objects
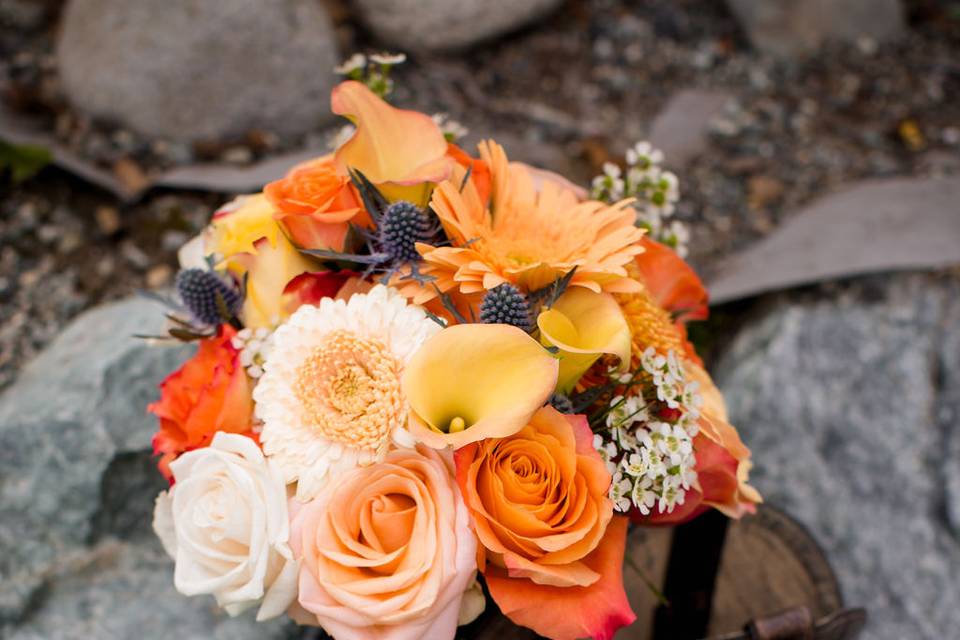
[{"x": 525, "y": 235}]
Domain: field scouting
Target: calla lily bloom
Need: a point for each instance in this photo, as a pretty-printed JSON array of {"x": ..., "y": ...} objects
[
  {"x": 402, "y": 152},
  {"x": 268, "y": 270},
  {"x": 237, "y": 226},
  {"x": 475, "y": 381},
  {"x": 584, "y": 325}
]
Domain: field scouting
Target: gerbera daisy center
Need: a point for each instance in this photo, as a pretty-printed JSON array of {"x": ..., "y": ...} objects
[{"x": 349, "y": 390}]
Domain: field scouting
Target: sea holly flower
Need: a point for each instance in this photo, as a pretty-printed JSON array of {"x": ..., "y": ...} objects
[
  {"x": 584, "y": 325},
  {"x": 403, "y": 153},
  {"x": 475, "y": 381}
]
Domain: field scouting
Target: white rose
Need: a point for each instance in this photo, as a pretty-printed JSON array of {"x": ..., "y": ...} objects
[{"x": 225, "y": 523}]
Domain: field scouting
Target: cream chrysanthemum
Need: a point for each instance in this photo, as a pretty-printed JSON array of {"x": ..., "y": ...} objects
[{"x": 330, "y": 396}]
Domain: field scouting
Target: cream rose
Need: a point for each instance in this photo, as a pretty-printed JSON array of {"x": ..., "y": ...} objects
[
  {"x": 386, "y": 551},
  {"x": 225, "y": 523}
]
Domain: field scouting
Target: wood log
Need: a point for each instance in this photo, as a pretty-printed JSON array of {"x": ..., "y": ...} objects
[{"x": 768, "y": 563}]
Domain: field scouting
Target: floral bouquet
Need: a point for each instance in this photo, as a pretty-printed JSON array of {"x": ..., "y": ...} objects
[{"x": 418, "y": 370}]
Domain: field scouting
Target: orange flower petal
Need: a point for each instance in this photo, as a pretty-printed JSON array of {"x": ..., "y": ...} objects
[
  {"x": 475, "y": 381},
  {"x": 390, "y": 146},
  {"x": 672, "y": 282},
  {"x": 565, "y": 613}
]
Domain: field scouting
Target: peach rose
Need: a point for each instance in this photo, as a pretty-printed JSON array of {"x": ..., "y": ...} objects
[
  {"x": 541, "y": 513},
  {"x": 209, "y": 393},
  {"x": 385, "y": 551},
  {"x": 315, "y": 205}
]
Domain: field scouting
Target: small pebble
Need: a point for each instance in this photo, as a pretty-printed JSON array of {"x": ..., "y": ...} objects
[
  {"x": 237, "y": 155},
  {"x": 159, "y": 276},
  {"x": 108, "y": 220}
]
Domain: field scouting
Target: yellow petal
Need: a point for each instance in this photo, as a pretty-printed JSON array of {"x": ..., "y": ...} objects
[
  {"x": 268, "y": 270},
  {"x": 584, "y": 325},
  {"x": 475, "y": 381},
  {"x": 240, "y": 224},
  {"x": 396, "y": 149}
]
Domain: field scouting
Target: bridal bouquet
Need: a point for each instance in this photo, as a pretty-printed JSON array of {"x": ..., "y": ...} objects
[{"x": 420, "y": 370}]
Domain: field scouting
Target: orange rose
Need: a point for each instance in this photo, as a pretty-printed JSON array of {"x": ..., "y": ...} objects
[
  {"x": 209, "y": 393},
  {"x": 550, "y": 548},
  {"x": 315, "y": 205}
]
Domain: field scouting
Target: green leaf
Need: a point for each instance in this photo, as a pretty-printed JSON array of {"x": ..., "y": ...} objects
[{"x": 23, "y": 160}]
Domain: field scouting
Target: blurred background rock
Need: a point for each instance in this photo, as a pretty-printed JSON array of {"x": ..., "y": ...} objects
[{"x": 848, "y": 391}]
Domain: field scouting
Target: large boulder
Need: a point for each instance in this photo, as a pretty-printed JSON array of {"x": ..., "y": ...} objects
[
  {"x": 78, "y": 558},
  {"x": 850, "y": 403},
  {"x": 429, "y": 25},
  {"x": 194, "y": 69},
  {"x": 791, "y": 28}
]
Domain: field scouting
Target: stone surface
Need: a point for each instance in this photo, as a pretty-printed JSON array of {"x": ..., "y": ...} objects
[
  {"x": 876, "y": 225},
  {"x": 790, "y": 28},
  {"x": 849, "y": 401},
  {"x": 428, "y": 25},
  {"x": 191, "y": 69},
  {"x": 681, "y": 128},
  {"x": 78, "y": 558}
]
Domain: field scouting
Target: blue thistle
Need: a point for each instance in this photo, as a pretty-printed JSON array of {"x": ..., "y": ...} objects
[
  {"x": 401, "y": 226},
  {"x": 199, "y": 291},
  {"x": 504, "y": 304}
]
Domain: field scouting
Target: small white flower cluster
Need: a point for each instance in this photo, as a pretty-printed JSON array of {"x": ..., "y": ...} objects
[
  {"x": 651, "y": 458},
  {"x": 372, "y": 70},
  {"x": 656, "y": 192},
  {"x": 451, "y": 129},
  {"x": 254, "y": 347}
]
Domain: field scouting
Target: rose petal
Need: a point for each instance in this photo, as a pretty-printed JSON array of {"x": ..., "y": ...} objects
[{"x": 596, "y": 611}]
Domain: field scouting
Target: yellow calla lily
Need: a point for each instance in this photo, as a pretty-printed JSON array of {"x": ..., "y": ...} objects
[
  {"x": 402, "y": 152},
  {"x": 584, "y": 325},
  {"x": 475, "y": 381},
  {"x": 236, "y": 227},
  {"x": 268, "y": 270}
]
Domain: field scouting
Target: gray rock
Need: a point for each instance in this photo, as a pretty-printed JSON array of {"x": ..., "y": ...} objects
[
  {"x": 429, "y": 25},
  {"x": 849, "y": 402},
  {"x": 681, "y": 128},
  {"x": 874, "y": 225},
  {"x": 792, "y": 28},
  {"x": 78, "y": 558},
  {"x": 190, "y": 69}
]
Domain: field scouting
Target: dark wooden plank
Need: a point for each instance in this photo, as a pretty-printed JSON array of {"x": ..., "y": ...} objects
[{"x": 769, "y": 563}]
